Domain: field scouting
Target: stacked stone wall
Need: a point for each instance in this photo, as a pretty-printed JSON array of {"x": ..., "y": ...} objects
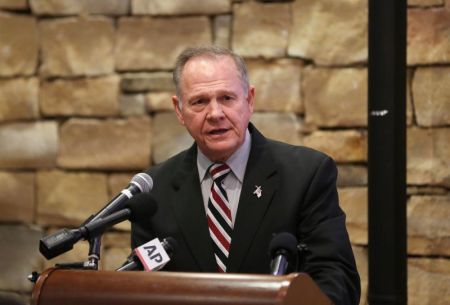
[{"x": 85, "y": 103}]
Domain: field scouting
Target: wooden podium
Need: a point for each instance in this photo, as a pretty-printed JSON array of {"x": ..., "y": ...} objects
[{"x": 83, "y": 287}]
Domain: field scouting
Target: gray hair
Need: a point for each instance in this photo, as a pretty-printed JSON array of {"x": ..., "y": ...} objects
[{"x": 211, "y": 51}]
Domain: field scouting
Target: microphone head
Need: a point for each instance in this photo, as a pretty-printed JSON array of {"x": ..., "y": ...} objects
[
  {"x": 142, "y": 207},
  {"x": 143, "y": 181},
  {"x": 170, "y": 245},
  {"x": 283, "y": 242}
]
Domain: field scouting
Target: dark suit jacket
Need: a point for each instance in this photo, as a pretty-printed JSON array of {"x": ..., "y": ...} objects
[{"x": 298, "y": 196}]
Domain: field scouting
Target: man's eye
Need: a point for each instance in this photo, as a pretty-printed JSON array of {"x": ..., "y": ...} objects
[
  {"x": 227, "y": 98},
  {"x": 198, "y": 102}
]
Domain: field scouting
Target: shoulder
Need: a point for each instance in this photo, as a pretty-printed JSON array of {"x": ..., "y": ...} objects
[
  {"x": 291, "y": 159},
  {"x": 301, "y": 162},
  {"x": 284, "y": 152},
  {"x": 297, "y": 155},
  {"x": 166, "y": 169}
]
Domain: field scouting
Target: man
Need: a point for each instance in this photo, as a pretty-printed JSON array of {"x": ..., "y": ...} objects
[{"x": 224, "y": 198}]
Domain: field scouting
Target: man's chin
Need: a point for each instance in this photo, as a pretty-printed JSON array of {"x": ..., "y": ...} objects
[{"x": 219, "y": 152}]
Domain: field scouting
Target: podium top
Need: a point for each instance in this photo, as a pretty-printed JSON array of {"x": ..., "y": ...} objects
[{"x": 74, "y": 287}]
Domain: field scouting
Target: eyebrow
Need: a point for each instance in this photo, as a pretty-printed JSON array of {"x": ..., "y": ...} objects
[{"x": 219, "y": 93}]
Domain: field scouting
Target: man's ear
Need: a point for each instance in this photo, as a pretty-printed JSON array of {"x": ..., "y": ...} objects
[
  {"x": 176, "y": 106},
  {"x": 251, "y": 98}
]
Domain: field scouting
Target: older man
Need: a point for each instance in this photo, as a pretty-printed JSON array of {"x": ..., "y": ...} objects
[{"x": 224, "y": 198}]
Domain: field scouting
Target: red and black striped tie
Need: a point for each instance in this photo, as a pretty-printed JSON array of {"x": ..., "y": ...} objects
[{"x": 219, "y": 216}]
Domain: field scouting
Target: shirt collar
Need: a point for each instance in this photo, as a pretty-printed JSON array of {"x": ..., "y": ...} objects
[{"x": 237, "y": 161}]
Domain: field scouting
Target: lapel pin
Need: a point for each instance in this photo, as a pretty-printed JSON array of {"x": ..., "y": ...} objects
[{"x": 258, "y": 191}]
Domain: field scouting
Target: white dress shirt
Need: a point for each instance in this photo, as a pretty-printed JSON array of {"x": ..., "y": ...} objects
[{"x": 233, "y": 181}]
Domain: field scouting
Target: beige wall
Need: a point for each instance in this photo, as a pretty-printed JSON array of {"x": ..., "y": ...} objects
[{"x": 85, "y": 92}]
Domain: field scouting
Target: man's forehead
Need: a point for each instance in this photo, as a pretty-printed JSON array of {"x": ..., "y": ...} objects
[
  {"x": 207, "y": 60},
  {"x": 209, "y": 69}
]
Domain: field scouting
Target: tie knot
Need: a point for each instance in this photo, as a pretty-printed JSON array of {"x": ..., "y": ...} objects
[{"x": 219, "y": 171}]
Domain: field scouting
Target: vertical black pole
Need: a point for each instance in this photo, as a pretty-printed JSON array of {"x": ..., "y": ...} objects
[{"x": 387, "y": 152}]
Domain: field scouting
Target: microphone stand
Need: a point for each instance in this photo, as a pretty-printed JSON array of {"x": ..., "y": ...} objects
[
  {"x": 94, "y": 230},
  {"x": 93, "y": 257},
  {"x": 94, "y": 252},
  {"x": 95, "y": 244},
  {"x": 91, "y": 229}
]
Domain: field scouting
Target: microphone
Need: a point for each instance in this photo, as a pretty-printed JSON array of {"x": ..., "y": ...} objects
[
  {"x": 140, "y": 183},
  {"x": 151, "y": 256},
  {"x": 282, "y": 248},
  {"x": 63, "y": 240}
]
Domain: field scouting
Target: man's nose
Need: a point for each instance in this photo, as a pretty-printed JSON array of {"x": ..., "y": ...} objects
[{"x": 215, "y": 109}]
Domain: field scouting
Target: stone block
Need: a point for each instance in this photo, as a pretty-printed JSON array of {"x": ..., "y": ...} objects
[
  {"x": 111, "y": 144},
  {"x": 57, "y": 7},
  {"x": 117, "y": 240},
  {"x": 426, "y": 190},
  {"x": 107, "y": 7},
  {"x": 17, "y": 196},
  {"x": 13, "y": 4},
  {"x": 19, "y": 99},
  {"x": 142, "y": 46},
  {"x": 409, "y": 99},
  {"x": 428, "y": 32},
  {"x": 277, "y": 85},
  {"x": 143, "y": 82},
  {"x": 329, "y": 32},
  {"x": 428, "y": 225},
  {"x": 425, "y": 2},
  {"x": 28, "y": 145},
  {"x": 67, "y": 46},
  {"x": 159, "y": 101},
  {"x": 132, "y": 104},
  {"x": 19, "y": 45},
  {"x": 335, "y": 97},
  {"x": 222, "y": 26},
  {"x": 431, "y": 91},
  {"x": 362, "y": 265},
  {"x": 117, "y": 249},
  {"x": 20, "y": 258},
  {"x": 12, "y": 298},
  {"x": 113, "y": 258},
  {"x": 353, "y": 201},
  {"x": 284, "y": 127},
  {"x": 266, "y": 33},
  {"x": 69, "y": 198},
  {"x": 75, "y": 7},
  {"x": 428, "y": 156},
  {"x": 169, "y": 137},
  {"x": 428, "y": 281},
  {"x": 180, "y": 7},
  {"x": 97, "y": 97},
  {"x": 352, "y": 175},
  {"x": 343, "y": 146}
]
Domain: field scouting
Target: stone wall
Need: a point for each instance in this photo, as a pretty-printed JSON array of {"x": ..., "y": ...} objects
[{"x": 85, "y": 92}]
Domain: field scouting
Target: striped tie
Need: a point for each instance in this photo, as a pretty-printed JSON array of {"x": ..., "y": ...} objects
[{"x": 219, "y": 216}]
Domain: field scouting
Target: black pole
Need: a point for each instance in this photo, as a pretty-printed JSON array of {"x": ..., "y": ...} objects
[{"x": 387, "y": 152}]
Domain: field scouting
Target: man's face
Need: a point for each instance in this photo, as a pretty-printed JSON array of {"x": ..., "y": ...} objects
[{"x": 215, "y": 108}]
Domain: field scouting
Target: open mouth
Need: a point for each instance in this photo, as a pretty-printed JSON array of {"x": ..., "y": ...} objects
[{"x": 218, "y": 131}]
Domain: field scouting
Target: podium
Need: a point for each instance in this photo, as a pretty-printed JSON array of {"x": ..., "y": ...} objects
[{"x": 87, "y": 287}]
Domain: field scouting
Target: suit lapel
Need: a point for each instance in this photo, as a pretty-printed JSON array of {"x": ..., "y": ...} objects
[
  {"x": 190, "y": 213},
  {"x": 260, "y": 172}
]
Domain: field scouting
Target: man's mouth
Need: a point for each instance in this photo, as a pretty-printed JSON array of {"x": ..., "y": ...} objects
[{"x": 218, "y": 131}]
